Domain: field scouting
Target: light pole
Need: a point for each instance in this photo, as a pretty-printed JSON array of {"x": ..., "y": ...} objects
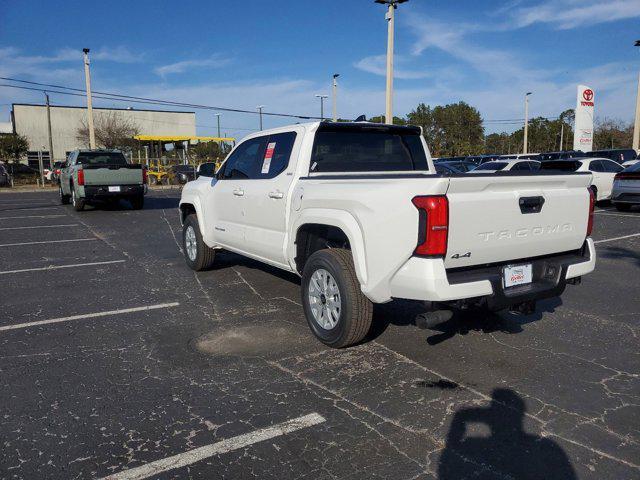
[
  {"x": 335, "y": 96},
  {"x": 526, "y": 122},
  {"x": 391, "y": 6},
  {"x": 636, "y": 124},
  {"x": 260, "y": 107},
  {"x": 46, "y": 96},
  {"x": 322, "y": 97},
  {"x": 87, "y": 78},
  {"x": 218, "y": 115}
]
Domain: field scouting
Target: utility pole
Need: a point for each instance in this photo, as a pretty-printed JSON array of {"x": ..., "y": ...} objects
[
  {"x": 260, "y": 107},
  {"x": 87, "y": 78},
  {"x": 391, "y": 6},
  {"x": 526, "y": 122},
  {"x": 322, "y": 97},
  {"x": 46, "y": 96},
  {"x": 335, "y": 96},
  {"x": 218, "y": 115},
  {"x": 636, "y": 124},
  {"x": 561, "y": 133},
  {"x": 41, "y": 166}
]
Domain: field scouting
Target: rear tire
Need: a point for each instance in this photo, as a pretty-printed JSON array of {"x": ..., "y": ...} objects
[
  {"x": 137, "y": 202},
  {"x": 337, "y": 312},
  {"x": 78, "y": 203},
  {"x": 198, "y": 255},
  {"x": 64, "y": 199},
  {"x": 623, "y": 207}
]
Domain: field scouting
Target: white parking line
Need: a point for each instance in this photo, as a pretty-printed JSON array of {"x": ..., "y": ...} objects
[
  {"x": 32, "y": 216},
  {"x": 617, "y": 238},
  {"x": 56, "y": 267},
  {"x": 88, "y": 315},
  {"x": 9, "y": 204},
  {"x": 40, "y": 226},
  {"x": 48, "y": 241},
  {"x": 241, "y": 441}
]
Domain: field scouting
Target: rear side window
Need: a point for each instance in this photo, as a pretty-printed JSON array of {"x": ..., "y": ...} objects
[
  {"x": 276, "y": 156},
  {"x": 561, "y": 165},
  {"x": 596, "y": 166},
  {"x": 101, "y": 158},
  {"x": 611, "y": 167},
  {"x": 367, "y": 150}
]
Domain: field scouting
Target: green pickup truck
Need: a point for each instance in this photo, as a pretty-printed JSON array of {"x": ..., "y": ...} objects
[{"x": 93, "y": 176}]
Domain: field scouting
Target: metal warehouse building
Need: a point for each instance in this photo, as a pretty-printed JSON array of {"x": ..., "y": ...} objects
[{"x": 30, "y": 120}]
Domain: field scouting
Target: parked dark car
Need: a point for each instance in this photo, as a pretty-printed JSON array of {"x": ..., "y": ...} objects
[
  {"x": 5, "y": 178},
  {"x": 182, "y": 173},
  {"x": 461, "y": 165},
  {"x": 443, "y": 168},
  {"x": 619, "y": 155}
]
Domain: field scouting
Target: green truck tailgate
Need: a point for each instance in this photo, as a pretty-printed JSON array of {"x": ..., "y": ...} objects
[{"x": 112, "y": 174}]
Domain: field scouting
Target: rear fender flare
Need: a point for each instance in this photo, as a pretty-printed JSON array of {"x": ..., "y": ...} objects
[{"x": 335, "y": 218}]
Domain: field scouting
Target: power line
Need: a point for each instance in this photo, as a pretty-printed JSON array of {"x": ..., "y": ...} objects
[{"x": 153, "y": 101}]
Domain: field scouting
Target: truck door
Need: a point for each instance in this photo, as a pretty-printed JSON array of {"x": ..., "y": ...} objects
[
  {"x": 266, "y": 198},
  {"x": 225, "y": 205}
]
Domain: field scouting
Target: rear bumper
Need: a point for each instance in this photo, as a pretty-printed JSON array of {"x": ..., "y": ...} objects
[
  {"x": 428, "y": 280},
  {"x": 626, "y": 195},
  {"x": 101, "y": 192}
]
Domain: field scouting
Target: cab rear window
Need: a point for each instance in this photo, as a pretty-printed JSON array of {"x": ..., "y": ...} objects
[
  {"x": 101, "y": 158},
  {"x": 367, "y": 149}
]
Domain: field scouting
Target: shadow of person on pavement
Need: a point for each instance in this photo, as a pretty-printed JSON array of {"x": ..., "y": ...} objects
[{"x": 492, "y": 440}]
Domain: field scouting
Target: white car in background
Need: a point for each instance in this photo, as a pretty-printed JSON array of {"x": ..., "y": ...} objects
[
  {"x": 507, "y": 165},
  {"x": 629, "y": 163},
  {"x": 602, "y": 169}
]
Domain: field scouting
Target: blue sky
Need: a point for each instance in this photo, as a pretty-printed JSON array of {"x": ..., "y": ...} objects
[{"x": 280, "y": 54}]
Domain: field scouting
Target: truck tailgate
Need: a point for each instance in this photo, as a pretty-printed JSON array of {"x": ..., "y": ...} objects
[
  {"x": 498, "y": 218},
  {"x": 112, "y": 174}
]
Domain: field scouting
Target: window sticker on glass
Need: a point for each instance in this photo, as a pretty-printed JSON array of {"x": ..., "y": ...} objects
[{"x": 268, "y": 155}]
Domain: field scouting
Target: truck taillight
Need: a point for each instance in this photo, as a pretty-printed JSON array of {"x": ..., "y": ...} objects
[
  {"x": 592, "y": 204},
  {"x": 433, "y": 229},
  {"x": 144, "y": 175},
  {"x": 80, "y": 177}
]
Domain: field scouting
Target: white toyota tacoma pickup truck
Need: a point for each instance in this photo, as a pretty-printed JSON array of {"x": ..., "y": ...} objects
[{"x": 357, "y": 210}]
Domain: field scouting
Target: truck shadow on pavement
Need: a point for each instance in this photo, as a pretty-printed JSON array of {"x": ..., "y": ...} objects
[
  {"x": 403, "y": 313},
  {"x": 620, "y": 253},
  {"x": 491, "y": 441}
]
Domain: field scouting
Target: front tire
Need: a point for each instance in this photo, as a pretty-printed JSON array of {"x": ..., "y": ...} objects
[
  {"x": 198, "y": 255},
  {"x": 78, "y": 203},
  {"x": 337, "y": 312},
  {"x": 137, "y": 202},
  {"x": 64, "y": 199}
]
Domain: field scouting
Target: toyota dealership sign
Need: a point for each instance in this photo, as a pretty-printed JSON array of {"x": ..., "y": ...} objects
[{"x": 583, "y": 129}]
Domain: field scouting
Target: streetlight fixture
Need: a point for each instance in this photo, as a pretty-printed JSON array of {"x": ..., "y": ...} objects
[
  {"x": 391, "y": 6},
  {"x": 526, "y": 122},
  {"x": 218, "y": 115},
  {"x": 87, "y": 79},
  {"x": 636, "y": 123},
  {"x": 260, "y": 107},
  {"x": 335, "y": 96},
  {"x": 322, "y": 97}
]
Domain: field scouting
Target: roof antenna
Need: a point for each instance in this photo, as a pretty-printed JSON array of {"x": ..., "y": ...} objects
[{"x": 361, "y": 118}]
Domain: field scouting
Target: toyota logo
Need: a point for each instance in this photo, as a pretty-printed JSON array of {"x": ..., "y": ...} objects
[{"x": 587, "y": 94}]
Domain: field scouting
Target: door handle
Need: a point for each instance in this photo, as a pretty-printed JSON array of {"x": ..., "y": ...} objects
[
  {"x": 238, "y": 192},
  {"x": 276, "y": 194}
]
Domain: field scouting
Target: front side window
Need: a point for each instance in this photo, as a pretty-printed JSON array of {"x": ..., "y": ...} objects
[{"x": 241, "y": 163}]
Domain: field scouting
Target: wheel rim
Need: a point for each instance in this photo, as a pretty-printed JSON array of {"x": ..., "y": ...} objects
[
  {"x": 190, "y": 243},
  {"x": 324, "y": 299}
]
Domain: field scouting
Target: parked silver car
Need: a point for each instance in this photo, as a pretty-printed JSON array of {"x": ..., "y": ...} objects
[{"x": 626, "y": 188}]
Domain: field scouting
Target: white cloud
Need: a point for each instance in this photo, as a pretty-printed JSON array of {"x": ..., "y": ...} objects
[
  {"x": 568, "y": 14},
  {"x": 214, "y": 61},
  {"x": 377, "y": 64}
]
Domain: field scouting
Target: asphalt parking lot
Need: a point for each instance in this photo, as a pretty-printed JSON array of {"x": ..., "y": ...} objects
[{"x": 116, "y": 359}]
